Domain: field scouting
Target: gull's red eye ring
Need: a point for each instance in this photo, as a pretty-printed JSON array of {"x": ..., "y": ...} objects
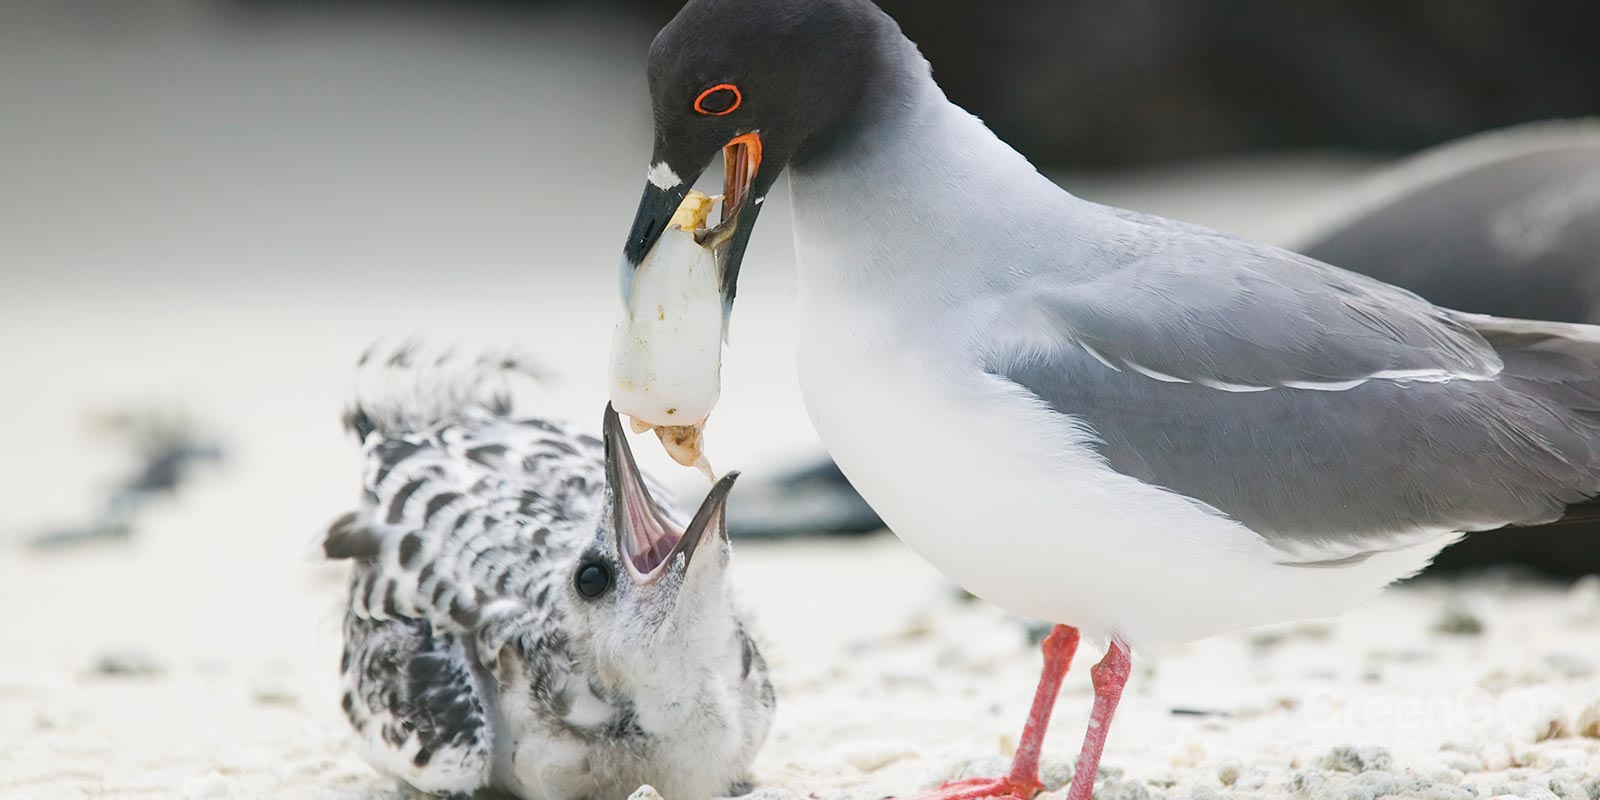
[{"x": 719, "y": 100}]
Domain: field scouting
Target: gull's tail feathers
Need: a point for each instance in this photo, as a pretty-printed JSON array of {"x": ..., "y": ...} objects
[
  {"x": 411, "y": 387},
  {"x": 1556, "y": 366}
]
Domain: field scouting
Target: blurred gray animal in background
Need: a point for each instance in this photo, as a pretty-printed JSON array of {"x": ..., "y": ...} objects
[
  {"x": 166, "y": 448},
  {"x": 1504, "y": 223},
  {"x": 524, "y": 616}
]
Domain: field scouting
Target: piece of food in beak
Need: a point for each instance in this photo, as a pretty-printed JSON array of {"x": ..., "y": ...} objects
[
  {"x": 685, "y": 444},
  {"x": 666, "y": 349}
]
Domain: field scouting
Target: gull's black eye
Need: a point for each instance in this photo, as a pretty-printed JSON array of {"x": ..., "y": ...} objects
[
  {"x": 718, "y": 100},
  {"x": 593, "y": 579}
]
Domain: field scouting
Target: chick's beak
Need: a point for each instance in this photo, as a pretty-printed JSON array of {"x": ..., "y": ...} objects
[{"x": 647, "y": 540}]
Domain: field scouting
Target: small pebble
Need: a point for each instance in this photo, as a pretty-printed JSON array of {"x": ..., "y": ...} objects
[
  {"x": 1055, "y": 774},
  {"x": 1552, "y": 724},
  {"x": 1305, "y": 783},
  {"x": 273, "y": 691},
  {"x": 1118, "y": 789},
  {"x": 1535, "y": 790},
  {"x": 1461, "y": 761},
  {"x": 1382, "y": 782},
  {"x": 1253, "y": 778},
  {"x": 210, "y": 785},
  {"x": 1193, "y": 754},
  {"x": 1523, "y": 789},
  {"x": 127, "y": 664},
  {"x": 919, "y": 626},
  {"x": 1228, "y": 773},
  {"x": 1354, "y": 759},
  {"x": 1496, "y": 758},
  {"x": 1587, "y": 724},
  {"x": 1442, "y": 774},
  {"x": 1566, "y": 773},
  {"x": 1567, "y": 789},
  {"x": 1311, "y": 631},
  {"x": 1529, "y": 757},
  {"x": 1458, "y": 620}
]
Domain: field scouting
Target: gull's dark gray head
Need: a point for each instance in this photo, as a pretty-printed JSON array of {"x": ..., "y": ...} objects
[
  {"x": 764, "y": 82},
  {"x": 647, "y": 580}
]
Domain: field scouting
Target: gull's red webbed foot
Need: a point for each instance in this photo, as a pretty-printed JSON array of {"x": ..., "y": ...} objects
[{"x": 975, "y": 788}]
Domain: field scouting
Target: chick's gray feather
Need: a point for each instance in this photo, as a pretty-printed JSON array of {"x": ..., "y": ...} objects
[{"x": 465, "y": 514}]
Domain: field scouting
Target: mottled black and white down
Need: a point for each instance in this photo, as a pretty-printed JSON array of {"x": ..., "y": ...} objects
[{"x": 472, "y": 660}]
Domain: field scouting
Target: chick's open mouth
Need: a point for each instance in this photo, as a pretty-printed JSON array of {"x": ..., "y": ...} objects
[{"x": 647, "y": 538}]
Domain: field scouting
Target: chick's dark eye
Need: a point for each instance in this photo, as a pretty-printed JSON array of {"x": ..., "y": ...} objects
[
  {"x": 593, "y": 579},
  {"x": 718, "y": 100}
]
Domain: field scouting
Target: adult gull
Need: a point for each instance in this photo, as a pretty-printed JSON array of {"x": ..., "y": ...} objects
[{"x": 1142, "y": 430}]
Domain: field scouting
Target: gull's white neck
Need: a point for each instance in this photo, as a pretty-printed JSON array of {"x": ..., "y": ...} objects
[{"x": 892, "y": 208}]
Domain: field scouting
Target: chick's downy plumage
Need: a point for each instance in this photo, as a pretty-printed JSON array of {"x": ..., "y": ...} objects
[{"x": 523, "y": 614}]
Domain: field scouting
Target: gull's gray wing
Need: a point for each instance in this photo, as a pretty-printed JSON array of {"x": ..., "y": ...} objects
[
  {"x": 1311, "y": 404},
  {"x": 1185, "y": 303}
]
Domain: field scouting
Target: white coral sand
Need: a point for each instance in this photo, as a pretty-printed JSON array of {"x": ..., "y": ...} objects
[{"x": 889, "y": 681}]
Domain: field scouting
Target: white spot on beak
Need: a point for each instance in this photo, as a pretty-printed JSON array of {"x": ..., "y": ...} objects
[
  {"x": 760, "y": 200},
  {"x": 662, "y": 176}
]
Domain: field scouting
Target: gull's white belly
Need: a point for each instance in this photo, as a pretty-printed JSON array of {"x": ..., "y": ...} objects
[{"x": 1008, "y": 498}]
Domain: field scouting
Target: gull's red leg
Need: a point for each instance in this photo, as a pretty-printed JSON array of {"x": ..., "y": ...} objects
[
  {"x": 1059, "y": 647},
  {"x": 1109, "y": 676},
  {"x": 1022, "y": 782}
]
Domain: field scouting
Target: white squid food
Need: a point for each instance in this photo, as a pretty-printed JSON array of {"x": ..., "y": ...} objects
[{"x": 666, "y": 348}]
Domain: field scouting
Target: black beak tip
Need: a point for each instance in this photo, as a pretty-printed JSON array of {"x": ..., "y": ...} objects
[
  {"x": 721, "y": 489},
  {"x": 615, "y": 441},
  {"x": 656, "y": 207},
  {"x": 638, "y": 245}
]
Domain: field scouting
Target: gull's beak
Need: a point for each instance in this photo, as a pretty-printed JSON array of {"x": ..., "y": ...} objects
[
  {"x": 647, "y": 540},
  {"x": 744, "y": 190}
]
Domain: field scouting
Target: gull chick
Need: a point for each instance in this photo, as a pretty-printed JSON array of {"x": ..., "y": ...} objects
[{"x": 525, "y": 616}]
